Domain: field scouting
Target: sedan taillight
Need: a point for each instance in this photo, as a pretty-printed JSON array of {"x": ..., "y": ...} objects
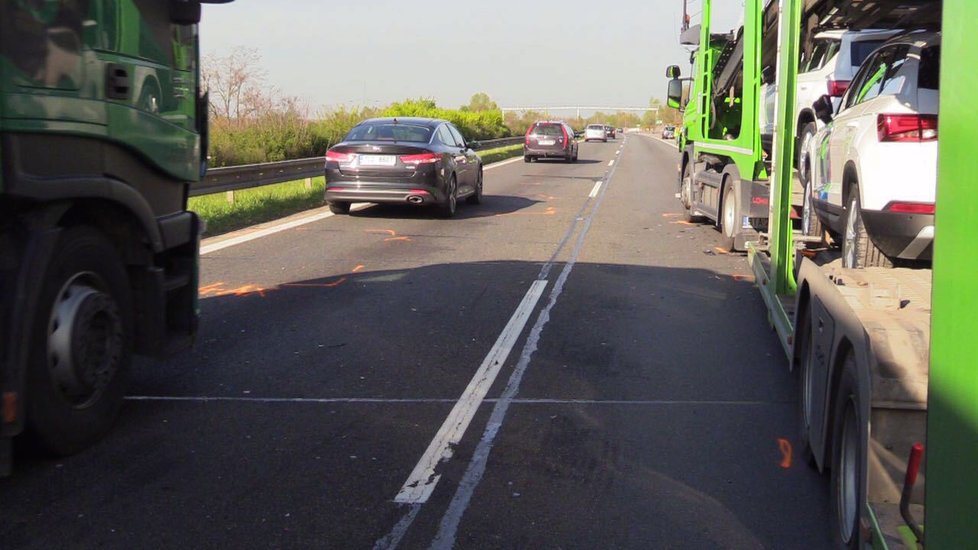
[
  {"x": 906, "y": 127},
  {"x": 423, "y": 158},
  {"x": 342, "y": 158}
]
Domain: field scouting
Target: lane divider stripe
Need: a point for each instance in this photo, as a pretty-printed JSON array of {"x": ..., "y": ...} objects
[{"x": 419, "y": 485}]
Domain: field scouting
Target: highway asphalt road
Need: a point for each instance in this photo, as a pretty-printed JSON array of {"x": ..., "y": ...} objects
[{"x": 568, "y": 365}]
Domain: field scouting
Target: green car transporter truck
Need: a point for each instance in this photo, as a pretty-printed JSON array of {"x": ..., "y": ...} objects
[
  {"x": 103, "y": 128},
  {"x": 885, "y": 357}
]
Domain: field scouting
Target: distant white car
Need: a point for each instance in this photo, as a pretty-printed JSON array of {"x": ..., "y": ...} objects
[
  {"x": 874, "y": 165},
  {"x": 595, "y": 131}
]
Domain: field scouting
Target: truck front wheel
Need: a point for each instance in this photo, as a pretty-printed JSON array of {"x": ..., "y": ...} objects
[{"x": 80, "y": 346}]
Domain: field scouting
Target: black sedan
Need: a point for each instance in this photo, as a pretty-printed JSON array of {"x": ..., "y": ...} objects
[{"x": 415, "y": 161}]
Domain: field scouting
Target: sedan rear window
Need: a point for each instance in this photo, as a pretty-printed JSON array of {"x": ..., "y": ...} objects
[
  {"x": 548, "y": 130},
  {"x": 596, "y": 127},
  {"x": 387, "y": 131}
]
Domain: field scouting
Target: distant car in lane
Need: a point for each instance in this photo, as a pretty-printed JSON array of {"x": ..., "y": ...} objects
[
  {"x": 546, "y": 139},
  {"x": 411, "y": 161},
  {"x": 669, "y": 132},
  {"x": 609, "y": 131},
  {"x": 595, "y": 132}
]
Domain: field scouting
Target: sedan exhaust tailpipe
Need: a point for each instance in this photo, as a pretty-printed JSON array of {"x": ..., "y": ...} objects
[{"x": 415, "y": 199}]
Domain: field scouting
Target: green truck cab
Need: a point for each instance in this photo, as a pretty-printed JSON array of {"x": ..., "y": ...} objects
[
  {"x": 724, "y": 168},
  {"x": 102, "y": 131}
]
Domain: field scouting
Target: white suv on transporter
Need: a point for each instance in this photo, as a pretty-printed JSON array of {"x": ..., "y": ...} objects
[
  {"x": 829, "y": 68},
  {"x": 874, "y": 165}
]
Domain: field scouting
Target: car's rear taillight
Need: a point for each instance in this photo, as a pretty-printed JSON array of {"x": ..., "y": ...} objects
[
  {"x": 529, "y": 132},
  {"x": 422, "y": 158},
  {"x": 906, "y": 127},
  {"x": 898, "y": 207},
  {"x": 565, "y": 140},
  {"x": 837, "y": 88},
  {"x": 342, "y": 158}
]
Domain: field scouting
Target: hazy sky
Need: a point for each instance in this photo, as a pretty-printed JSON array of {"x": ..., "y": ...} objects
[{"x": 542, "y": 52}]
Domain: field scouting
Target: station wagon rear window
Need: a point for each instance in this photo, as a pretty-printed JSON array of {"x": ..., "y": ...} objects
[{"x": 548, "y": 130}]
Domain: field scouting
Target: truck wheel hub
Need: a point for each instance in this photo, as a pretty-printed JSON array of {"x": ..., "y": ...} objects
[{"x": 85, "y": 342}]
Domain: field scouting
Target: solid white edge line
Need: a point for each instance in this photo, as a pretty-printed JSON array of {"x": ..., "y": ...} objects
[
  {"x": 502, "y": 163},
  {"x": 257, "y": 234},
  {"x": 611, "y": 162},
  {"x": 419, "y": 485},
  {"x": 595, "y": 189}
]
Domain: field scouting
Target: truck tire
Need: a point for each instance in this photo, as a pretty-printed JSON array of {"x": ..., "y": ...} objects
[
  {"x": 858, "y": 249},
  {"x": 686, "y": 194},
  {"x": 848, "y": 458},
  {"x": 729, "y": 218},
  {"x": 804, "y": 356},
  {"x": 80, "y": 346}
]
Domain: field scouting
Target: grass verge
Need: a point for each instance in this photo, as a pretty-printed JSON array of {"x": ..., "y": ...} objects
[
  {"x": 263, "y": 204},
  {"x": 258, "y": 205}
]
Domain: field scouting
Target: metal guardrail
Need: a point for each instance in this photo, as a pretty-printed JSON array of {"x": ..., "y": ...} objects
[{"x": 246, "y": 176}]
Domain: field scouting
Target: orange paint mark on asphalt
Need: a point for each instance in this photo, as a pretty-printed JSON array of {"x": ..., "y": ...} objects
[
  {"x": 682, "y": 222},
  {"x": 215, "y": 287},
  {"x": 739, "y": 277},
  {"x": 785, "y": 446},
  {"x": 671, "y": 215},
  {"x": 358, "y": 268},
  {"x": 246, "y": 290},
  {"x": 390, "y": 232},
  {"x": 219, "y": 290},
  {"x": 389, "y": 239},
  {"x": 719, "y": 250}
]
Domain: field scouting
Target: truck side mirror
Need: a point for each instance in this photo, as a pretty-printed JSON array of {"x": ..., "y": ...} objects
[
  {"x": 185, "y": 12},
  {"x": 824, "y": 109},
  {"x": 674, "y": 94},
  {"x": 672, "y": 71}
]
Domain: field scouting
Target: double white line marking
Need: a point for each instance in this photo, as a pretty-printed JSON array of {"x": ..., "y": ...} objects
[{"x": 423, "y": 479}]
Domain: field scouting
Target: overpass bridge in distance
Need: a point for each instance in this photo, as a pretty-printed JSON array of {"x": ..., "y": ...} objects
[{"x": 578, "y": 109}]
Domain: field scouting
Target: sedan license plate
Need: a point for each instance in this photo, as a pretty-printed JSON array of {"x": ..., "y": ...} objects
[
  {"x": 378, "y": 160},
  {"x": 546, "y": 142}
]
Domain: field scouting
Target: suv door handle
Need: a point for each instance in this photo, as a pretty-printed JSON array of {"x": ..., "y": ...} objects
[{"x": 117, "y": 84}]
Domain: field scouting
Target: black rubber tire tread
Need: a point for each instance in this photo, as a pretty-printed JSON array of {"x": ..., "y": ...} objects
[
  {"x": 867, "y": 255},
  {"x": 339, "y": 207},
  {"x": 53, "y": 425},
  {"x": 688, "y": 217},
  {"x": 804, "y": 338},
  {"x": 476, "y": 196},
  {"x": 727, "y": 241},
  {"x": 799, "y": 154},
  {"x": 847, "y": 390},
  {"x": 448, "y": 209},
  {"x": 814, "y": 228}
]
